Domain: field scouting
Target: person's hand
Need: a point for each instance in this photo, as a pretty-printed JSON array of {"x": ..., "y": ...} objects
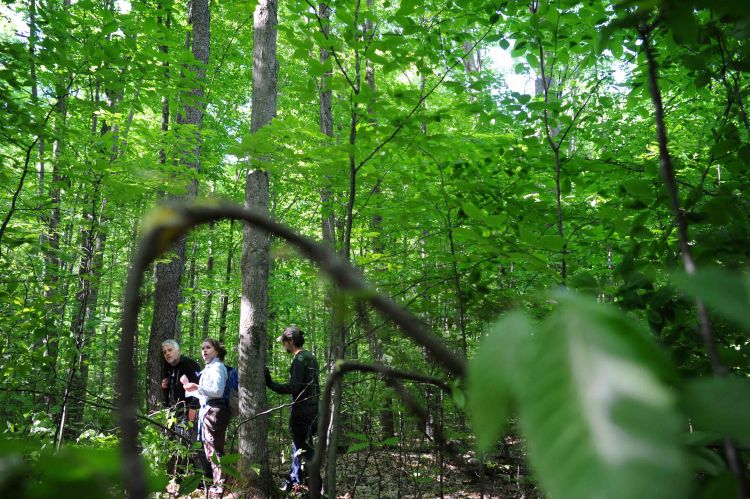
[
  {"x": 165, "y": 383},
  {"x": 190, "y": 387},
  {"x": 267, "y": 374},
  {"x": 191, "y": 414}
]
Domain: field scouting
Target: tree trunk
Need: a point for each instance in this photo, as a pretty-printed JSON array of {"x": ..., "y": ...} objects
[
  {"x": 209, "y": 279},
  {"x": 378, "y": 243},
  {"x": 53, "y": 318},
  {"x": 191, "y": 286},
  {"x": 168, "y": 290},
  {"x": 227, "y": 280},
  {"x": 93, "y": 240},
  {"x": 255, "y": 255},
  {"x": 471, "y": 61}
]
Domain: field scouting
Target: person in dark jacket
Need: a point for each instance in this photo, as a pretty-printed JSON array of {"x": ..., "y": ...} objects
[
  {"x": 304, "y": 388},
  {"x": 185, "y": 408},
  {"x": 175, "y": 365}
]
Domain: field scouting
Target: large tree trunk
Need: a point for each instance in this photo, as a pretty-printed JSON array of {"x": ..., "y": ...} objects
[
  {"x": 168, "y": 290},
  {"x": 255, "y": 255}
]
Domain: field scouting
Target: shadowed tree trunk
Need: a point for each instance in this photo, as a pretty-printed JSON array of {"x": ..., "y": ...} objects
[
  {"x": 209, "y": 280},
  {"x": 227, "y": 280},
  {"x": 168, "y": 275},
  {"x": 192, "y": 278}
]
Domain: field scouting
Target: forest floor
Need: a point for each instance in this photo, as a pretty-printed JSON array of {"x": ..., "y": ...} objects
[{"x": 390, "y": 473}]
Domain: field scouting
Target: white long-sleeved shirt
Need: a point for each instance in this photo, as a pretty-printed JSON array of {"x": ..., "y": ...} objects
[{"x": 212, "y": 381}]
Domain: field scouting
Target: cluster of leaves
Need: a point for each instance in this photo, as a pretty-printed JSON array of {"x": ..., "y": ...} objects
[{"x": 601, "y": 405}]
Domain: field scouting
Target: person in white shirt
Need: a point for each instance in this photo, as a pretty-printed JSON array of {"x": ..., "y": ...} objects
[{"x": 213, "y": 417}]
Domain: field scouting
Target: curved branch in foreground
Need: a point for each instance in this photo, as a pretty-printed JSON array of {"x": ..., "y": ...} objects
[
  {"x": 392, "y": 377},
  {"x": 168, "y": 224}
]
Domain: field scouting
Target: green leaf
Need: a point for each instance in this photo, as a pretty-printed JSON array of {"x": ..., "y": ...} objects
[
  {"x": 706, "y": 461},
  {"x": 490, "y": 377},
  {"x": 230, "y": 458},
  {"x": 726, "y": 294},
  {"x": 391, "y": 441},
  {"x": 357, "y": 447},
  {"x": 551, "y": 242},
  {"x": 190, "y": 484},
  {"x": 584, "y": 282},
  {"x": 720, "y": 405},
  {"x": 472, "y": 211},
  {"x": 598, "y": 414},
  {"x": 640, "y": 189}
]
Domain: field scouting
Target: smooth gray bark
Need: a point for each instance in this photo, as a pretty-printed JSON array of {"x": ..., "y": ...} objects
[{"x": 255, "y": 256}]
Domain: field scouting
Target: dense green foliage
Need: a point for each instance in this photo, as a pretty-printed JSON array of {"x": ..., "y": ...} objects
[{"x": 471, "y": 205}]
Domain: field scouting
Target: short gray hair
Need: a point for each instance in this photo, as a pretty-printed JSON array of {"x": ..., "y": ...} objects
[{"x": 170, "y": 342}]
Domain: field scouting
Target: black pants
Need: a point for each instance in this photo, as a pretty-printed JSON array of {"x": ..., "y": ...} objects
[{"x": 303, "y": 426}]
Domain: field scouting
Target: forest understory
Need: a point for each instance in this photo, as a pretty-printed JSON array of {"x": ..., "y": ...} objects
[
  {"x": 525, "y": 220},
  {"x": 413, "y": 473}
]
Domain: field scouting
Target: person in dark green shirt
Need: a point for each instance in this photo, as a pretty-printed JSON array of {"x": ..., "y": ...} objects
[{"x": 304, "y": 388}]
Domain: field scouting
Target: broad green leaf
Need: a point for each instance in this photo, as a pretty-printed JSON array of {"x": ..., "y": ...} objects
[
  {"x": 720, "y": 405},
  {"x": 584, "y": 282},
  {"x": 490, "y": 377},
  {"x": 599, "y": 416},
  {"x": 727, "y": 294},
  {"x": 472, "y": 211},
  {"x": 551, "y": 242},
  {"x": 640, "y": 189}
]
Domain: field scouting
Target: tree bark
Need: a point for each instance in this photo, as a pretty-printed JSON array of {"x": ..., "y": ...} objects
[
  {"x": 192, "y": 277},
  {"x": 209, "y": 279},
  {"x": 255, "y": 256},
  {"x": 227, "y": 280},
  {"x": 93, "y": 240},
  {"x": 168, "y": 276}
]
